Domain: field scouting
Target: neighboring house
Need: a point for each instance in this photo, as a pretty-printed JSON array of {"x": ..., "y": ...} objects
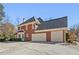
[{"x": 35, "y": 29}]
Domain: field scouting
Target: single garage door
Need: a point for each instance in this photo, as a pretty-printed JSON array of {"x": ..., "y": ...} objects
[
  {"x": 39, "y": 37},
  {"x": 57, "y": 36}
]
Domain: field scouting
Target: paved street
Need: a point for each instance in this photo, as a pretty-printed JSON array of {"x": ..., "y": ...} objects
[{"x": 34, "y": 48}]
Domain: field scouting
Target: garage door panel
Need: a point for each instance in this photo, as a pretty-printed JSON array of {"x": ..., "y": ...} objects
[
  {"x": 57, "y": 36},
  {"x": 39, "y": 37}
]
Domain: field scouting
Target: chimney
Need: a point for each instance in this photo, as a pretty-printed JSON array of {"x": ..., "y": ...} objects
[{"x": 23, "y": 19}]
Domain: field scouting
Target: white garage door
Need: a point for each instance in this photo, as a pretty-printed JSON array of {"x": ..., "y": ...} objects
[
  {"x": 39, "y": 37},
  {"x": 57, "y": 36}
]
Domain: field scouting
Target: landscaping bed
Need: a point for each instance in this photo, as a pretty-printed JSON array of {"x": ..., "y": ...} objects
[
  {"x": 15, "y": 39},
  {"x": 12, "y": 39}
]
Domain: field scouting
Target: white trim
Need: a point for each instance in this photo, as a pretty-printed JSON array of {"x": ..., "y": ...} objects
[
  {"x": 37, "y": 21},
  {"x": 65, "y": 28},
  {"x": 22, "y": 35},
  {"x": 36, "y": 26},
  {"x": 21, "y": 30}
]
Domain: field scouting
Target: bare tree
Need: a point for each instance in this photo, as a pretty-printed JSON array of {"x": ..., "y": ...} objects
[
  {"x": 8, "y": 30},
  {"x": 75, "y": 30}
]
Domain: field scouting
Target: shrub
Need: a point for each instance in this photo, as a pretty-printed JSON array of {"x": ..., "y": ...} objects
[
  {"x": 2, "y": 40},
  {"x": 67, "y": 36},
  {"x": 15, "y": 39}
]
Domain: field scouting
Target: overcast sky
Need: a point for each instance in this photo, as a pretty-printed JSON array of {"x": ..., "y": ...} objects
[{"x": 45, "y": 11}]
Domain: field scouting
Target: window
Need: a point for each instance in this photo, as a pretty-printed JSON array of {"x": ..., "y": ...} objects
[
  {"x": 18, "y": 28},
  {"x": 36, "y": 26},
  {"x": 19, "y": 36},
  {"x": 23, "y": 36}
]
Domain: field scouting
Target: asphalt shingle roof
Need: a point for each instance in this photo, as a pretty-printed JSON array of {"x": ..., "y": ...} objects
[
  {"x": 40, "y": 20},
  {"x": 53, "y": 23},
  {"x": 50, "y": 24}
]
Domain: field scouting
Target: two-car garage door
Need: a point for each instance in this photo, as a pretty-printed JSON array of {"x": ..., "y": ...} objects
[
  {"x": 56, "y": 36},
  {"x": 39, "y": 37}
]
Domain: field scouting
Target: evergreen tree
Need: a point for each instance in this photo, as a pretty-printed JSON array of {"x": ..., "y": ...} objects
[{"x": 1, "y": 12}]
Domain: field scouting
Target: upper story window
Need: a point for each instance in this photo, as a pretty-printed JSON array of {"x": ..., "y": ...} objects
[
  {"x": 23, "y": 27},
  {"x": 18, "y": 28},
  {"x": 36, "y": 26}
]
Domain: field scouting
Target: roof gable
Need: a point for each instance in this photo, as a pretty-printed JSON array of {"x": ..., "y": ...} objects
[
  {"x": 29, "y": 20},
  {"x": 40, "y": 20}
]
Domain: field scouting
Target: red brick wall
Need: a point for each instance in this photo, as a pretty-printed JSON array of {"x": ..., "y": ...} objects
[
  {"x": 48, "y": 36},
  {"x": 29, "y": 27},
  {"x": 24, "y": 28},
  {"x": 28, "y": 32}
]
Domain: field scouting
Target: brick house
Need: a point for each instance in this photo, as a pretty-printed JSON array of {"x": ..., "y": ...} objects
[{"x": 35, "y": 29}]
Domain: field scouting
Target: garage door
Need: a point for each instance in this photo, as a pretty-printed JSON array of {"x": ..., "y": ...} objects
[
  {"x": 39, "y": 37},
  {"x": 57, "y": 36}
]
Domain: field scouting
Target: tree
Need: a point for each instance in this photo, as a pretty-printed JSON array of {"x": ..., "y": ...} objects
[
  {"x": 71, "y": 36},
  {"x": 9, "y": 30},
  {"x": 2, "y": 14},
  {"x": 75, "y": 29}
]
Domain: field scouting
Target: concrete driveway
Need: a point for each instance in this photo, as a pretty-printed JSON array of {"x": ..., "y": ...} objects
[{"x": 35, "y": 48}]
